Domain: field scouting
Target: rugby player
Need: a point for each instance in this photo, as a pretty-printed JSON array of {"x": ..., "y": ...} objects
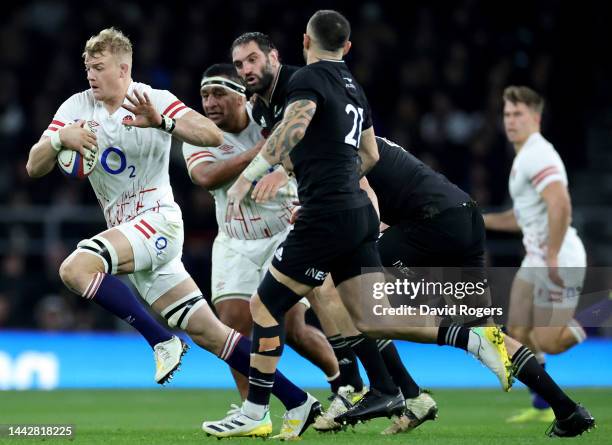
[
  {"x": 327, "y": 134},
  {"x": 546, "y": 289},
  {"x": 145, "y": 229}
]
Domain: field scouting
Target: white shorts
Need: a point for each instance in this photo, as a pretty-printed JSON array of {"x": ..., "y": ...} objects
[
  {"x": 157, "y": 244},
  {"x": 238, "y": 266},
  {"x": 572, "y": 270}
]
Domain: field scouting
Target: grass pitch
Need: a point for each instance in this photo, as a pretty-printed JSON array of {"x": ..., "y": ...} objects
[{"x": 167, "y": 416}]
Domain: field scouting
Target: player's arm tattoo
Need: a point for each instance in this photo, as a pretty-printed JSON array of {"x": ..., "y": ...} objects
[{"x": 290, "y": 131}]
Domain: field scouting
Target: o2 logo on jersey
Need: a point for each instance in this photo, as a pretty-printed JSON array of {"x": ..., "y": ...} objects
[
  {"x": 160, "y": 244},
  {"x": 114, "y": 161}
]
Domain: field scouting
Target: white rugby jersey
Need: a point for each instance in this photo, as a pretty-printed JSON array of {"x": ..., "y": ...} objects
[
  {"x": 535, "y": 166},
  {"x": 256, "y": 221},
  {"x": 131, "y": 175}
]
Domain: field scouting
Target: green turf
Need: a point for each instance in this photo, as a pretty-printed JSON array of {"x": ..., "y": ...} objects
[{"x": 173, "y": 417}]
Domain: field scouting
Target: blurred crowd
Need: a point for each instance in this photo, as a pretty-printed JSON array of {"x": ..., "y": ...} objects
[{"x": 433, "y": 72}]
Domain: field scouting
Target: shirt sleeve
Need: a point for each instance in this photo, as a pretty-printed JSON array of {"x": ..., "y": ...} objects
[
  {"x": 304, "y": 85},
  {"x": 167, "y": 103},
  {"x": 67, "y": 113},
  {"x": 196, "y": 155},
  {"x": 541, "y": 168}
]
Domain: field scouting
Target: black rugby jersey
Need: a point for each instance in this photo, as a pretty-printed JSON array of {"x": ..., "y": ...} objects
[
  {"x": 267, "y": 115},
  {"x": 407, "y": 188},
  {"x": 325, "y": 161}
]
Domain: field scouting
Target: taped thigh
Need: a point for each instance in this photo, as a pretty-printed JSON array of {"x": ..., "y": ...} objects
[
  {"x": 179, "y": 312},
  {"x": 103, "y": 249}
]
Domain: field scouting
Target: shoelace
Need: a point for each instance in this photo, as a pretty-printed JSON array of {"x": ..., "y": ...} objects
[
  {"x": 286, "y": 428},
  {"x": 550, "y": 429},
  {"x": 234, "y": 409},
  {"x": 163, "y": 353}
]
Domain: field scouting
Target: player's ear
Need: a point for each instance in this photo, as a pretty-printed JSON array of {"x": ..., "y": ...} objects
[
  {"x": 347, "y": 47},
  {"x": 273, "y": 56},
  {"x": 307, "y": 41},
  {"x": 125, "y": 70}
]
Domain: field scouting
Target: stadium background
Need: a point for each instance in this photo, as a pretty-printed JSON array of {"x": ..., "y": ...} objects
[{"x": 433, "y": 72}]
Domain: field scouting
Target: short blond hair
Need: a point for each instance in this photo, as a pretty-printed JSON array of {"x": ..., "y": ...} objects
[
  {"x": 110, "y": 39},
  {"x": 522, "y": 94}
]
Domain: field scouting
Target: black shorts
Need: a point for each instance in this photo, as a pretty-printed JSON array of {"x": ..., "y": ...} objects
[
  {"x": 340, "y": 243},
  {"x": 454, "y": 238}
]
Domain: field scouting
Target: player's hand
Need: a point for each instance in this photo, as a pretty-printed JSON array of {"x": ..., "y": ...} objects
[
  {"x": 75, "y": 137},
  {"x": 295, "y": 213},
  {"x": 235, "y": 195},
  {"x": 553, "y": 270},
  {"x": 145, "y": 114},
  {"x": 267, "y": 187}
]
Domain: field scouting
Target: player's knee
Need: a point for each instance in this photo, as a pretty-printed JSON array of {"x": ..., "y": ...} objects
[
  {"x": 272, "y": 301},
  {"x": 71, "y": 274},
  {"x": 236, "y": 317}
]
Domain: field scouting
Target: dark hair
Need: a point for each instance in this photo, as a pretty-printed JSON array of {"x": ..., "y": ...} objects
[
  {"x": 331, "y": 29},
  {"x": 525, "y": 95},
  {"x": 264, "y": 42},
  {"x": 225, "y": 70}
]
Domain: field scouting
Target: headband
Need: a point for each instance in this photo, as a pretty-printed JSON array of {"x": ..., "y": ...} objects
[{"x": 223, "y": 82}]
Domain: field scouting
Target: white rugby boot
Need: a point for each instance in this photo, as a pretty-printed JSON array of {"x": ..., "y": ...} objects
[
  {"x": 488, "y": 346},
  {"x": 168, "y": 355},
  {"x": 237, "y": 424},
  {"x": 298, "y": 419}
]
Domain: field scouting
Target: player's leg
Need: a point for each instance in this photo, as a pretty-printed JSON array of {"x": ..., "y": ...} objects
[
  {"x": 338, "y": 327},
  {"x": 484, "y": 343},
  {"x": 570, "y": 419},
  {"x": 557, "y": 339},
  {"x": 276, "y": 294},
  {"x": 300, "y": 264},
  {"x": 234, "y": 312},
  {"x": 555, "y": 329},
  {"x": 365, "y": 348},
  {"x": 89, "y": 271},
  {"x": 184, "y": 307},
  {"x": 520, "y": 326},
  {"x": 332, "y": 315},
  {"x": 310, "y": 343},
  {"x": 234, "y": 278},
  {"x": 420, "y": 406},
  {"x": 520, "y": 310},
  {"x": 303, "y": 338},
  {"x": 384, "y": 399}
]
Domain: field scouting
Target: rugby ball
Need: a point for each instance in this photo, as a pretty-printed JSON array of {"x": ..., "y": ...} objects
[{"x": 72, "y": 164}]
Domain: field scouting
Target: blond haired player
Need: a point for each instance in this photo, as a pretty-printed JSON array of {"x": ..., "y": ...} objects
[
  {"x": 546, "y": 288},
  {"x": 133, "y": 126}
]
